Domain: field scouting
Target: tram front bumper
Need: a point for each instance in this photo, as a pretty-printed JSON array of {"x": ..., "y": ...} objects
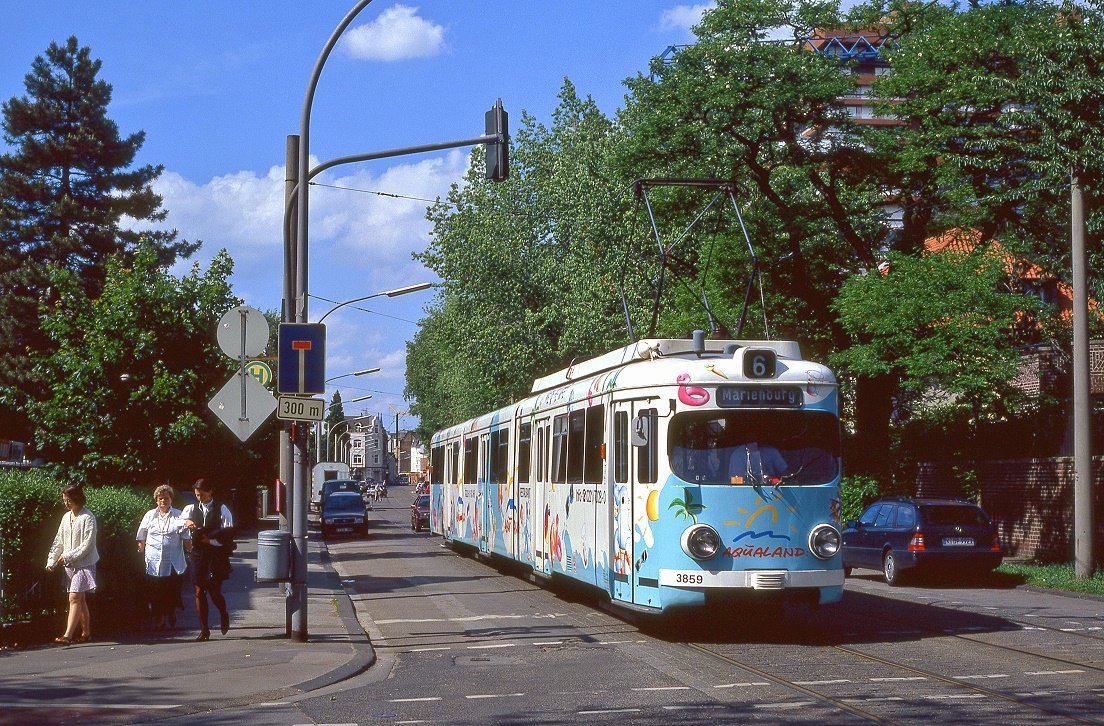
[{"x": 751, "y": 579}]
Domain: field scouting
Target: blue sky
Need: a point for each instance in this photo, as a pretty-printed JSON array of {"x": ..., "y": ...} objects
[{"x": 217, "y": 87}]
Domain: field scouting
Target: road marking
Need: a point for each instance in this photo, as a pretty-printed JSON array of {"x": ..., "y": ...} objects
[
  {"x": 949, "y": 696},
  {"x": 471, "y": 619},
  {"x": 872, "y": 700},
  {"x": 663, "y": 688},
  {"x": 423, "y": 650},
  {"x": 550, "y": 642},
  {"x": 608, "y": 710},
  {"x": 492, "y": 645},
  {"x": 414, "y": 700},
  {"x": 980, "y": 676},
  {"x": 899, "y": 678},
  {"x": 797, "y": 704},
  {"x": 495, "y": 695},
  {"x": 1052, "y": 673},
  {"x": 820, "y": 683},
  {"x": 742, "y": 685}
]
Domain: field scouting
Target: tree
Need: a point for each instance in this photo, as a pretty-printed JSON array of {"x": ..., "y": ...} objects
[
  {"x": 531, "y": 268},
  {"x": 129, "y": 373},
  {"x": 64, "y": 188},
  {"x": 760, "y": 110}
]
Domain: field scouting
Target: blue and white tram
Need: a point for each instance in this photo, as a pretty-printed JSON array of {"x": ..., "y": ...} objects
[{"x": 669, "y": 473}]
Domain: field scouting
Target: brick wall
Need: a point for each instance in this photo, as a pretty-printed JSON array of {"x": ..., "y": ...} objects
[{"x": 1030, "y": 500}]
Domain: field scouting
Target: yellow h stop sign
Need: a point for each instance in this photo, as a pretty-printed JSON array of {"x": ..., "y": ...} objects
[{"x": 259, "y": 370}]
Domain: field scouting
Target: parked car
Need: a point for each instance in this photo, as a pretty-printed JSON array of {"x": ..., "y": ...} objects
[
  {"x": 900, "y": 535},
  {"x": 336, "y": 485},
  {"x": 343, "y": 513},
  {"x": 419, "y": 513}
]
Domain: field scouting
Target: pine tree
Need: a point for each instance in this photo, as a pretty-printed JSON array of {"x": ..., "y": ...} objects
[{"x": 64, "y": 188}]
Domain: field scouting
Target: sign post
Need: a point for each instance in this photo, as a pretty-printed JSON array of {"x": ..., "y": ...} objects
[{"x": 243, "y": 404}]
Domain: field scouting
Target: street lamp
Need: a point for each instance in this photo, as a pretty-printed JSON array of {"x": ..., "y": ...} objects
[
  {"x": 358, "y": 373},
  {"x": 330, "y": 431},
  {"x": 389, "y": 293}
]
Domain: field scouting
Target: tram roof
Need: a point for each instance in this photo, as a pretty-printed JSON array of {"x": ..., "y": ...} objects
[{"x": 653, "y": 348}]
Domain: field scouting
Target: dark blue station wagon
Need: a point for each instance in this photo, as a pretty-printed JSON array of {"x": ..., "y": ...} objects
[{"x": 899, "y": 535}]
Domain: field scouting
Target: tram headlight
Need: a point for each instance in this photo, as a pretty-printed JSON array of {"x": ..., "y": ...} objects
[
  {"x": 701, "y": 541},
  {"x": 824, "y": 541}
]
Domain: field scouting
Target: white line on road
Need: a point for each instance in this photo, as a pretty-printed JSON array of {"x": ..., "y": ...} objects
[
  {"x": 495, "y": 695},
  {"x": 663, "y": 688},
  {"x": 436, "y": 647},
  {"x": 414, "y": 700},
  {"x": 608, "y": 710},
  {"x": 1052, "y": 673},
  {"x": 797, "y": 704},
  {"x": 899, "y": 678},
  {"x": 821, "y": 683},
  {"x": 492, "y": 645},
  {"x": 980, "y": 676},
  {"x": 742, "y": 685}
]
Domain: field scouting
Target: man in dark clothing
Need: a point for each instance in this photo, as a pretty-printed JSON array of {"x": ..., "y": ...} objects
[{"x": 212, "y": 527}]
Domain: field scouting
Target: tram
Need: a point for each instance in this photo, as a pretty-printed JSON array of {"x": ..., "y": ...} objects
[{"x": 670, "y": 473}]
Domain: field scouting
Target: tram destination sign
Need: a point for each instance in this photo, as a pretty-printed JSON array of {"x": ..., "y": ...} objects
[{"x": 759, "y": 397}]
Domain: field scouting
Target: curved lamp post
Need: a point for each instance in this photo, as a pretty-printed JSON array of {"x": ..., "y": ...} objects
[{"x": 389, "y": 293}]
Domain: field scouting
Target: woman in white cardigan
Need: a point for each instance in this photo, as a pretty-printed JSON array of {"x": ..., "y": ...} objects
[{"x": 74, "y": 549}]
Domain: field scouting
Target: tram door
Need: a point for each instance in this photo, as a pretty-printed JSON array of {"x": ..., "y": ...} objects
[
  {"x": 482, "y": 496},
  {"x": 542, "y": 559},
  {"x": 629, "y": 464}
]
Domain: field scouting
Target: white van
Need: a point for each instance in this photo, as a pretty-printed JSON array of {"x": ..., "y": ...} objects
[{"x": 325, "y": 471}]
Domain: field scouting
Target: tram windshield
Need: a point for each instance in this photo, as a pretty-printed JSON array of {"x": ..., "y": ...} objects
[{"x": 755, "y": 447}]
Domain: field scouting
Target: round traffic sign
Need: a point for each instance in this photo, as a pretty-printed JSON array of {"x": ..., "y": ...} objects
[
  {"x": 243, "y": 331},
  {"x": 259, "y": 370}
]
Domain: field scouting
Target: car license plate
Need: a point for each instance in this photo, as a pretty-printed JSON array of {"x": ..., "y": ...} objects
[
  {"x": 345, "y": 529},
  {"x": 958, "y": 541}
]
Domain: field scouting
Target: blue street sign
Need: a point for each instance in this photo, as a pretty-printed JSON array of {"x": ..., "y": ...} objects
[{"x": 302, "y": 359}]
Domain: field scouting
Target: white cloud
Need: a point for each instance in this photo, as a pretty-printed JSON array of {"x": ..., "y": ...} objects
[
  {"x": 683, "y": 17},
  {"x": 398, "y": 33}
]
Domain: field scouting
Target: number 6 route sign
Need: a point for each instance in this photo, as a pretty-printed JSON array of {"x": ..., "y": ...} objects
[{"x": 302, "y": 359}]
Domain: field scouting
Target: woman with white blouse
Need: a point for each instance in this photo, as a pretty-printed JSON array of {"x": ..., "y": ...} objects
[{"x": 162, "y": 538}]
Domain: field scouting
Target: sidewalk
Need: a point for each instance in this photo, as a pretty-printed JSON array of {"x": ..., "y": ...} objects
[{"x": 169, "y": 674}]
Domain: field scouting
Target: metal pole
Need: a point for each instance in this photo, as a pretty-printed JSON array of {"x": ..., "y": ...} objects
[
  {"x": 299, "y": 511},
  {"x": 1082, "y": 421},
  {"x": 287, "y": 455}
]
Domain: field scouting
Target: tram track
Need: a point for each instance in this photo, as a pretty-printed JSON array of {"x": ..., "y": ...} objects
[{"x": 848, "y": 705}]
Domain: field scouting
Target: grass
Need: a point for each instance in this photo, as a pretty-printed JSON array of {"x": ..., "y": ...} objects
[{"x": 1054, "y": 576}]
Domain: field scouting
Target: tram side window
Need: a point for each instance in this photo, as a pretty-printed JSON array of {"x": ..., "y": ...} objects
[
  {"x": 595, "y": 438},
  {"x": 500, "y": 454},
  {"x": 575, "y": 439},
  {"x": 454, "y": 456},
  {"x": 559, "y": 449},
  {"x": 437, "y": 465},
  {"x": 525, "y": 436},
  {"x": 621, "y": 447},
  {"x": 647, "y": 456},
  {"x": 471, "y": 460},
  {"x": 542, "y": 452}
]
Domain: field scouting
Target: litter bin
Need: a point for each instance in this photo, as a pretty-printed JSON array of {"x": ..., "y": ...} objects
[{"x": 273, "y": 556}]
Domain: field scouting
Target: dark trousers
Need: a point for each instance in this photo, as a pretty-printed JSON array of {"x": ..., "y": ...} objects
[{"x": 164, "y": 593}]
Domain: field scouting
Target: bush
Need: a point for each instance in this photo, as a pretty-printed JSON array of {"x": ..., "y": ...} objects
[
  {"x": 30, "y": 503},
  {"x": 856, "y": 491},
  {"x": 30, "y": 511}
]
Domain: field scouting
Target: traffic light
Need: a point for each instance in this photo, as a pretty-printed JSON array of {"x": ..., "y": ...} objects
[{"x": 498, "y": 152}]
